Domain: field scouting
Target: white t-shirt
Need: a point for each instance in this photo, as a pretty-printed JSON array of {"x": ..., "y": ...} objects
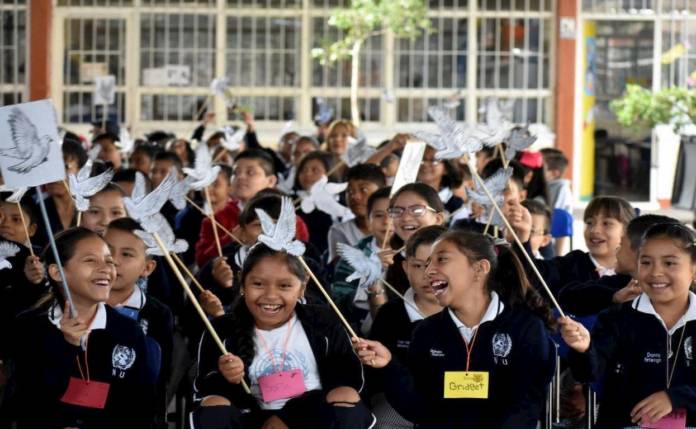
[{"x": 299, "y": 355}]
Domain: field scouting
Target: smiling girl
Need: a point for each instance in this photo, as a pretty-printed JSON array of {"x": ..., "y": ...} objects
[
  {"x": 643, "y": 349},
  {"x": 297, "y": 359}
]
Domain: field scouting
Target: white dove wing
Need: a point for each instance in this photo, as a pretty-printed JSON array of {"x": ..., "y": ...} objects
[
  {"x": 152, "y": 202},
  {"x": 179, "y": 192},
  {"x": 84, "y": 172},
  {"x": 203, "y": 158},
  {"x": 93, "y": 153},
  {"x": 17, "y": 193},
  {"x": 366, "y": 271},
  {"x": 94, "y": 184},
  {"x": 494, "y": 116},
  {"x": 139, "y": 188},
  {"x": 497, "y": 182},
  {"x": 267, "y": 225},
  {"x": 8, "y": 250},
  {"x": 432, "y": 139},
  {"x": 285, "y": 227},
  {"x": 233, "y": 139},
  {"x": 24, "y": 135},
  {"x": 207, "y": 179},
  {"x": 478, "y": 197}
]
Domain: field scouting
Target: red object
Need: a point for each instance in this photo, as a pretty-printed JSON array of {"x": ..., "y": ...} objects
[
  {"x": 532, "y": 159},
  {"x": 83, "y": 393}
]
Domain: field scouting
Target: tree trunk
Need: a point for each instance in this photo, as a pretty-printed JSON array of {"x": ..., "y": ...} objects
[{"x": 354, "y": 79}]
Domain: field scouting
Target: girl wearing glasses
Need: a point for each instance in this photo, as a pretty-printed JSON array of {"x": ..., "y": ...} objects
[{"x": 444, "y": 177}]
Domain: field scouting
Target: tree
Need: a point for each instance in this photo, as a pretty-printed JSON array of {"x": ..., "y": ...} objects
[
  {"x": 364, "y": 19},
  {"x": 639, "y": 106}
]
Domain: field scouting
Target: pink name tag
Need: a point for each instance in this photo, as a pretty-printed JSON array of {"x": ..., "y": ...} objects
[
  {"x": 674, "y": 420},
  {"x": 90, "y": 394},
  {"x": 282, "y": 385}
]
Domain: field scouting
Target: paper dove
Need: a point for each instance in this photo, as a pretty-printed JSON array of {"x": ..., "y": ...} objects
[
  {"x": 322, "y": 196},
  {"x": 497, "y": 128},
  {"x": 179, "y": 193},
  {"x": 454, "y": 139},
  {"x": 358, "y": 151},
  {"x": 519, "y": 139},
  {"x": 82, "y": 186},
  {"x": 496, "y": 186},
  {"x": 219, "y": 86},
  {"x": 125, "y": 140},
  {"x": 286, "y": 184},
  {"x": 17, "y": 193},
  {"x": 281, "y": 235},
  {"x": 93, "y": 153},
  {"x": 30, "y": 149},
  {"x": 325, "y": 113},
  {"x": 204, "y": 173},
  {"x": 143, "y": 208},
  {"x": 166, "y": 234},
  {"x": 7, "y": 250},
  {"x": 368, "y": 269},
  {"x": 233, "y": 139}
]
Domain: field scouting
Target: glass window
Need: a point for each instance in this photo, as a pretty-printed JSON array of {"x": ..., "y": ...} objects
[
  {"x": 94, "y": 47},
  {"x": 518, "y": 5},
  {"x": 679, "y": 6},
  {"x": 78, "y": 108},
  {"x": 528, "y": 110},
  {"x": 13, "y": 48},
  {"x": 170, "y": 107},
  {"x": 178, "y": 2},
  {"x": 274, "y": 4},
  {"x": 619, "y": 6},
  {"x": 679, "y": 53},
  {"x": 95, "y": 2},
  {"x": 269, "y": 108},
  {"x": 369, "y": 107},
  {"x": 416, "y": 109}
]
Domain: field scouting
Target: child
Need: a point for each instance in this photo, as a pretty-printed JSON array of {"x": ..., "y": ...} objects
[
  {"x": 11, "y": 226},
  {"x": 559, "y": 192},
  {"x": 363, "y": 180},
  {"x": 337, "y": 141},
  {"x": 253, "y": 172},
  {"x": 164, "y": 163},
  {"x": 142, "y": 158},
  {"x": 126, "y": 297},
  {"x": 269, "y": 336},
  {"x": 104, "y": 206},
  {"x": 110, "y": 149},
  {"x": 125, "y": 179},
  {"x": 493, "y": 328},
  {"x": 540, "y": 234},
  {"x": 443, "y": 176},
  {"x": 87, "y": 371},
  {"x": 642, "y": 350}
]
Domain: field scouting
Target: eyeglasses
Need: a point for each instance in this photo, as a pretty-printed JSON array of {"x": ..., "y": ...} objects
[
  {"x": 416, "y": 210},
  {"x": 430, "y": 162}
]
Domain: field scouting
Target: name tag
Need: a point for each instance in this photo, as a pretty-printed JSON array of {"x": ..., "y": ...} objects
[
  {"x": 90, "y": 394},
  {"x": 282, "y": 385},
  {"x": 674, "y": 420},
  {"x": 461, "y": 384}
]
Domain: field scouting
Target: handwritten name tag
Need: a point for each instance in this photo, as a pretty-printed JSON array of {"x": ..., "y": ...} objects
[
  {"x": 89, "y": 394},
  {"x": 461, "y": 384},
  {"x": 674, "y": 420},
  {"x": 282, "y": 385}
]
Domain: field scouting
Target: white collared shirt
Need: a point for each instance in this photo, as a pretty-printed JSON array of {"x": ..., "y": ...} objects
[
  {"x": 601, "y": 270},
  {"x": 410, "y": 305},
  {"x": 644, "y": 305},
  {"x": 136, "y": 299},
  {"x": 55, "y": 314},
  {"x": 495, "y": 307}
]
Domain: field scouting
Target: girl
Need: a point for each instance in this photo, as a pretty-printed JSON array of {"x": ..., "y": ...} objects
[
  {"x": 337, "y": 140},
  {"x": 88, "y": 371},
  {"x": 104, "y": 206},
  {"x": 483, "y": 362},
  {"x": 642, "y": 350},
  {"x": 412, "y": 207},
  {"x": 443, "y": 176},
  {"x": 296, "y": 359}
]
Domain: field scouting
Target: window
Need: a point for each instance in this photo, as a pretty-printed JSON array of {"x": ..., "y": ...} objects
[
  {"x": 13, "y": 52},
  {"x": 515, "y": 5},
  {"x": 619, "y": 6},
  {"x": 679, "y": 52}
]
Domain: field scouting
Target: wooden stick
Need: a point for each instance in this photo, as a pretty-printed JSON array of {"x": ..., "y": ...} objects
[
  {"x": 187, "y": 271},
  {"x": 194, "y": 301},
  {"x": 211, "y": 215},
  {"x": 220, "y": 155},
  {"x": 79, "y": 218},
  {"x": 390, "y": 226},
  {"x": 502, "y": 155},
  {"x": 488, "y": 224},
  {"x": 225, "y": 230},
  {"x": 403, "y": 298},
  {"x": 328, "y": 299},
  {"x": 26, "y": 229},
  {"x": 518, "y": 241},
  {"x": 203, "y": 107},
  {"x": 104, "y": 114},
  {"x": 335, "y": 168}
]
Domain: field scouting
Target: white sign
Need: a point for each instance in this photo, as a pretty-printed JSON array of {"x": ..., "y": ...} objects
[
  {"x": 409, "y": 165},
  {"x": 178, "y": 75},
  {"x": 567, "y": 28},
  {"x": 104, "y": 90},
  {"x": 88, "y": 71},
  {"x": 30, "y": 153},
  {"x": 155, "y": 77}
]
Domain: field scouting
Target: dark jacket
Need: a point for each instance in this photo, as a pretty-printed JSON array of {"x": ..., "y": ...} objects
[
  {"x": 592, "y": 296},
  {"x": 575, "y": 266}
]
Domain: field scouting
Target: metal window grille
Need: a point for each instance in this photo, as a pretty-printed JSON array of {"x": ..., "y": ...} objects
[{"x": 13, "y": 51}]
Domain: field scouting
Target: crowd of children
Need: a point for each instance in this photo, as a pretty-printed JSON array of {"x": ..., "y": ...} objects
[{"x": 458, "y": 332}]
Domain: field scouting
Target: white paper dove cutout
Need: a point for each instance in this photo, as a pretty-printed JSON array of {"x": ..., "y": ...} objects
[
  {"x": 126, "y": 142},
  {"x": 233, "y": 139},
  {"x": 166, "y": 234},
  {"x": 82, "y": 186},
  {"x": 28, "y": 147},
  {"x": 368, "y": 269},
  {"x": 143, "y": 207},
  {"x": 219, "y": 86},
  {"x": 93, "y": 153},
  {"x": 454, "y": 100},
  {"x": 17, "y": 193},
  {"x": 179, "y": 193},
  {"x": 322, "y": 196},
  {"x": 545, "y": 137},
  {"x": 286, "y": 184},
  {"x": 281, "y": 235},
  {"x": 454, "y": 139},
  {"x": 496, "y": 186},
  {"x": 204, "y": 173},
  {"x": 358, "y": 151},
  {"x": 325, "y": 113},
  {"x": 519, "y": 139},
  {"x": 7, "y": 250},
  {"x": 497, "y": 126}
]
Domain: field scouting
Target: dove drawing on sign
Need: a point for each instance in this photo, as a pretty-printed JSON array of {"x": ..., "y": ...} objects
[
  {"x": 28, "y": 147},
  {"x": 232, "y": 140},
  {"x": 166, "y": 234},
  {"x": 519, "y": 139},
  {"x": 82, "y": 186},
  {"x": 280, "y": 235},
  {"x": 17, "y": 193},
  {"x": 454, "y": 140},
  {"x": 323, "y": 196},
  {"x": 497, "y": 128},
  {"x": 204, "y": 173},
  {"x": 105, "y": 90},
  {"x": 368, "y": 269},
  {"x": 143, "y": 207},
  {"x": 358, "y": 151},
  {"x": 7, "y": 250}
]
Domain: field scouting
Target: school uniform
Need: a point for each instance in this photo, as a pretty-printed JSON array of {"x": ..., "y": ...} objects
[
  {"x": 633, "y": 354},
  {"x": 319, "y": 225},
  {"x": 46, "y": 368},
  {"x": 187, "y": 225},
  {"x": 592, "y": 296},
  {"x": 347, "y": 233},
  {"x": 510, "y": 344},
  {"x": 312, "y": 342}
]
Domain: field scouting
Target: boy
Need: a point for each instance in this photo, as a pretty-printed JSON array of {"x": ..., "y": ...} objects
[
  {"x": 541, "y": 226},
  {"x": 253, "y": 172},
  {"x": 156, "y": 320},
  {"x": 560, "y": 195},
  {"x": 110, "y": 150},
  {"x": 163, "y": 164},
  {"x": 142, "y": 158},
  {"x": 104, "y": 206},
  {"x": 363, "y": 181}
]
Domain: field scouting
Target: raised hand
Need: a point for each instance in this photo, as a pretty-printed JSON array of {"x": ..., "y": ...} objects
[
  {"x": 231, "y": 367},
  {"x": 73, "y": 329},
  {"x": 222, "y": 272},
  {"x": 574, "y": 334},
  {"x": 652, "y": 408},
  {"x": 386, "y": 257},
  {"x": 372, "y": 353},
  {"x": 211, "y": 304},
  {"x": 627, "y": 293}
]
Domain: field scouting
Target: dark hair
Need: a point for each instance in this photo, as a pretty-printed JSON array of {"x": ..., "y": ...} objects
[
  {"x": 538, "y": 208},
  {"x": 682, "y": 234},
  {"x": 149, "y": 150},
  {"x": 124, "y": 224},
  {"x": 537, "y": 186},
  {"x": 370, "y": 172},
  {"x": 425, "y": 235},
  {"x": 489, "y": 151},
  {"x": 263, "y": 158},
  {"x": 190, "y": 154},
  {"x": 377, "y": 195},
  {"x": 518, "y": 171},
  {"x": 269, "y": 203},
  {"x": 125, "y": 175},
  {"x": 556, "y": 161},
  {"x": 171, "y": 157},
  {"x": 465, "y": 171},
  {"x": 638, "y": 225},
  {"x": 613, "y": 207},
  {"x": 424, "y": 191},
  {"x": 111, "y": 187},
  {"x": 507, "y": 276},
  {"x": 74, "y": 149},
  {"x": 323, "y": 157},
  {"x": 226, "y": 171},
  {"x": 66, "y": 244},
  {"x": 453, "y": 175},
  {"x": 243, "y": 321},
  {"x": 27, "y": 205},
  {"x": 310, "y": 139}
]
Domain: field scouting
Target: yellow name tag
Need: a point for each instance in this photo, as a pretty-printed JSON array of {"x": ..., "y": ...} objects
[{"x": 461, "y": 384}]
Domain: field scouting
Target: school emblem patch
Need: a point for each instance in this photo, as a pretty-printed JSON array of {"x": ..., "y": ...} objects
[
  {"x": 502, "y": 344},
  {"x": 688, "y": 349},
  {"x": 122, "y": 357}
]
